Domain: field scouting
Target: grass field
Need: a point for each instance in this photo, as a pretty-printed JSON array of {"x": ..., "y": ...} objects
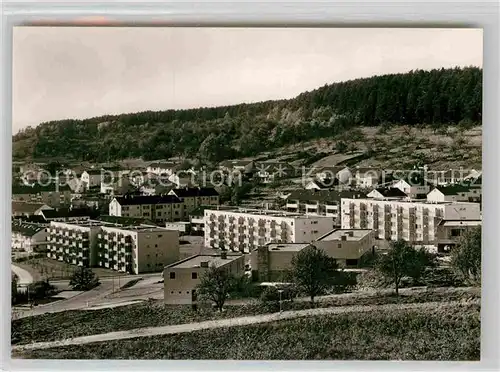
[
  {"x": 41, "y": 268},
  {"x": 451, "y": 334},
  {"x": 56, "y": 326}
]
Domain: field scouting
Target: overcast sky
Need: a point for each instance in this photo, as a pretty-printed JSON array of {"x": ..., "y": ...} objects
[{"x": 78, "y": 72}]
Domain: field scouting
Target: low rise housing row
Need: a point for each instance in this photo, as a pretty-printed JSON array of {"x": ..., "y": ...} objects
[
  {"x": 52, "y": 195},
  {"x": 27, "y": 236}
]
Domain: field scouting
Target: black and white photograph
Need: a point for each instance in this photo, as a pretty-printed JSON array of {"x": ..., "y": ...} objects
[{"x": 246, "y": 193}]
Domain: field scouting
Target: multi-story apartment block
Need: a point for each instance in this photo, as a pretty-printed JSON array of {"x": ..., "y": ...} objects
[
  {"x": 53, "y": 195},
  {"x": 413, "y": 221},
  {"x": 73, "y": 243},
  {"x": 194, "y": 197},
  {"x": 161, "y": 208},
  {"x": 137, "y": 249},
  {"x": 242, "y": 230},
  {"x": 181, "y": 278},
  {"x": 320, "y": 202}
]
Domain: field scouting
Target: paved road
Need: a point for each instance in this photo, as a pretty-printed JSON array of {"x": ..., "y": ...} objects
[
  {"x": 24, "y": 276},
  {"x": 230, "y": 322}
]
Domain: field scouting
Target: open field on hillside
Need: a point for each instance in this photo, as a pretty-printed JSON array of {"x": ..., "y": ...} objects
[
  {"x": 56, "y": 326},
  {"x": 451, "y": 333}
]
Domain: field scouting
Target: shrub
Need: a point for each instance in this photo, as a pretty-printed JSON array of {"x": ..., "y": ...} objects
[{"x": 83, "y": 279}]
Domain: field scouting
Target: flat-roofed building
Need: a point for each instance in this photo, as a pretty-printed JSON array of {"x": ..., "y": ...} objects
[
  {"x": 245, "y": 229},
  {"x": 271, "y": 261},
  {"x": 73, "y": 243},
  {"x": 181, "y": 278},
  {"x": 137, "y": 249},
  {"x": 448, "y": 233},
  {"x": 347, "y": 246},
  {"x": 410, "y": 220}
]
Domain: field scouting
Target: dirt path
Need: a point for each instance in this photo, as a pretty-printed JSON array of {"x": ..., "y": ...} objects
[{"x": 231, "y": 322}]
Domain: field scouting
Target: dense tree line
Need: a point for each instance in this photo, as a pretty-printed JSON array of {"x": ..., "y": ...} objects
[{"x": 445, "y": 96}]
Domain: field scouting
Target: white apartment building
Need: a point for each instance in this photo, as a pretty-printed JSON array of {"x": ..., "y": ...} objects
[
  {"x": 413, "y": 221},
  {"x": 243, "y": 230},
  {"x": 73, "y": 243},
  {"x": 137, "y": 249}
]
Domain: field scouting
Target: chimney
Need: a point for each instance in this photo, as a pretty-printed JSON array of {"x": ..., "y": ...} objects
[
  {"x": 204, "y": 264},
  {"x": 223, "y": 255}
]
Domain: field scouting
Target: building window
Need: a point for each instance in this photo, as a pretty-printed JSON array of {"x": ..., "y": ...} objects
[
  {"x": 194, "y": 275},
  {"x": 172, "y": 275},
  {"x": 156, "y": 246},
  {"x": 159, "y": 236},
  {"x": 339, "y": 245}
]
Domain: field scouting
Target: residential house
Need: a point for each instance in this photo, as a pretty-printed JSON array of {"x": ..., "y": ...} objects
[
  {"x": 182, "y": 278},
  {"x": 68, "y": 215},
  {"x": 116, "y": 185},
  {"x": 449, "y": 193},
  {"x": 161, "y": 208},
  {"x": 92, "y": 178},
  {"x": 232, "y": 166},
  {"x": 415, "y": 186},
  {"x": 163, "y": 168},
  {"x": 27, "y": 236},
  {"x": 267, "y": 172},
  {"x": 27, "y": 209},
  {"x": 53, "y": 195},
  {"x": 194, "y": 197},
  {"x": 366, "y": 177},
  {"x": 322, "y": 184},
  {"x": 387, "y": 193},
  {"x": 448, "y": 177}
]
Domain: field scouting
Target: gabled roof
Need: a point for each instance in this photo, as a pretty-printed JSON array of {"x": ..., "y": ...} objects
[
  {"x": 451, "y": 189},
  {"x": 188, "y": 192},
  {"x": 66, "y": 213},
  {"x": 153, "y": 199},
  {"x": 391, "y": 192},
  {"x": 235, "y": 163},
  {"x": 327, "y": 183},
  {"x": 413, "y": 180},
  {"x": 24, "y": 207},
  {"x": 36, "y": 188},
  {"x": 26, "y": 228}
]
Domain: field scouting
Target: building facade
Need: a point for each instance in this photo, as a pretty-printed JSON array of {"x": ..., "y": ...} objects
[
  {"x": 347, "y": 246},
  {"x": 448, "y": 233},
  {"x": 137, "y": 249},
  {"x": 181, "y": 278},
  {"x": 413, "y": 221},
  {"x": 194, "y": 197},
  {"x": 160, "y": 208},
  {"x": 27, "y": 236},
  {"x": 243, "y": 230},
  {"x": 53, "y": 195},
  {"x": 73, "y": 243}
]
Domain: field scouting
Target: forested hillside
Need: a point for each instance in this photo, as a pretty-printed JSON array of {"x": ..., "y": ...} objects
[{"x": 445, "y": 96}]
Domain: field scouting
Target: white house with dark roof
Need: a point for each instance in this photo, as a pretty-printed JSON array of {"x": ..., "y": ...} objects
[
  {"x": 27, "y": 209},
  {"x": 387, "y": 193},
  {"x": 164, "y": 168},
  {"x": 457, "y": 193}
]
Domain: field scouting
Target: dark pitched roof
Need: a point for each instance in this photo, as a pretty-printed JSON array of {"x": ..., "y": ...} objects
[
  {"x": 188, "y": 192},
  {"x": 26, "y": 228},
  {"x": 32, "y": 218},
  {"x": 36, "y": 188},
  {"x": 326, "y": 183},
  {"x": 94, "y": 171},
  {"x": 66, "y": 213},
  {"x": 391, "y": 192},
  {"x": 24, "y": 207},
  {"x": 452, "y": 189},
  {"x": 154, "y": 199}
]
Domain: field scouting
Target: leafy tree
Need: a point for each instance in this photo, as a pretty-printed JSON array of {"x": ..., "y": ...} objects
[
  {"x": 403, "y": 260},
  {"x": 83, "y": 279},
  {"x": 313, "y": 271},
  {"x": 466, "y": 256},
  {"x": 215, "y": 285},
  {"x": 341, "y": 147}
]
